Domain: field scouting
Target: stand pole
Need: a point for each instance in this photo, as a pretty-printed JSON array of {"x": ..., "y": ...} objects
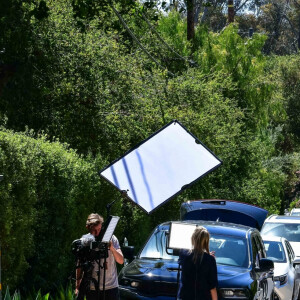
[
  {"x": 98, "y": 281},
  {"x": 109, "y": 205},
  {"x": 104, "y": 270},
  {"x": 99, "y": 276},
  {"x": 104, "y": 273}
]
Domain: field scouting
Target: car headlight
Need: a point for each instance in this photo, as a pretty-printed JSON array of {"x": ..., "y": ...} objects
[
  {"x": 134, "y": 284},
  {"x": 282, "y": 279},
  {"x": 234, "y": 293},
  {"x": 129, "y": 282}
]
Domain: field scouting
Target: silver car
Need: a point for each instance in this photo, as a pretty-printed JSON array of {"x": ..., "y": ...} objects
[
  {"x": 284, "y": 226},
  {"x": 295, "y": 212},
  {"x": 286, "y": 268}
]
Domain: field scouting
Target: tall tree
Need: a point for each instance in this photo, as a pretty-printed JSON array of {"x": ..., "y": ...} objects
[{"x": 190, "y": 4}]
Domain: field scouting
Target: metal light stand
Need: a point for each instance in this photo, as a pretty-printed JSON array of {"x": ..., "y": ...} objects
[
  {"x": 82, "y": 287},
  {"x": 109, "y": 205},
  {"x": 86, "y": 281},
  {"x": 104, "y": 272},
  {"x": 104, "y": 264},
  {"x": 98, "y": 282}
]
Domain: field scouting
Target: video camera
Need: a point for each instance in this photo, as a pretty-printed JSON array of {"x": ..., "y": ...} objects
[{"x": 90, "y": 248}]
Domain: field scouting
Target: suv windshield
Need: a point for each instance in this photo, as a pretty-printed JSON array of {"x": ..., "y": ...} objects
[
  {"x": 229, "y": 250},
  {"x": 289, "y": 231},
  {"x": 275, "y": 251},
  {"x": 295, "y": 213}
]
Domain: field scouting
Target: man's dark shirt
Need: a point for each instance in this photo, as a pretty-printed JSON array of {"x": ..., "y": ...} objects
[{"x": 198, "y": 278}]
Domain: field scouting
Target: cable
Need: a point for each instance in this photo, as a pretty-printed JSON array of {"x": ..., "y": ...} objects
[
  {"x": 137, "y": 41},
  {"x": 162, "y": 40}
]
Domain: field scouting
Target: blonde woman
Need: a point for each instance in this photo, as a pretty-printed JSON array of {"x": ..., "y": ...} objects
[{"x": 199, "y": 270}]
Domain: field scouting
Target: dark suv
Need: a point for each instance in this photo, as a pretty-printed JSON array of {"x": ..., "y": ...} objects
[{"x": 243, "y": 270}]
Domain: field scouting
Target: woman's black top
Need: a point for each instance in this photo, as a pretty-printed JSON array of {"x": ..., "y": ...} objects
[{"x": 198, "y": 278}]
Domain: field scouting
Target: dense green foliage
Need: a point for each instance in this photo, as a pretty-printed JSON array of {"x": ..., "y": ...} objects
[
  {"x": 45, "y": 196},
  {"x": 79, "y": 81}
]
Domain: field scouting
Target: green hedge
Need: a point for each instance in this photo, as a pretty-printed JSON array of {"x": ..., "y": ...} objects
[{"x": 47, "y": 192}]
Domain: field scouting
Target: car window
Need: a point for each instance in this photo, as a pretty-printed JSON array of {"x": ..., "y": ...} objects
[
  {"x": 289, "y": 231},
  {"x": 275, "y": 251},
  {"x": 156, "y": 246},
  {"x": 289, "y": 255},
  {"x": 230, "y": 250},
  {"x": 255, "y": 254},
  {"x": 290, "y": 251},
  {"x": 260, "y": 246}
]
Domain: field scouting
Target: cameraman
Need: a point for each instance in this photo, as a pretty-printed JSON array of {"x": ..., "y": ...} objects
[{"x": 86, "y": 283}]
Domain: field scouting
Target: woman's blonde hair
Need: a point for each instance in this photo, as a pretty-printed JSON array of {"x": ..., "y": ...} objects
[
  {"x": 93, "y": 220},
  {"x": 200, "y": 242}
]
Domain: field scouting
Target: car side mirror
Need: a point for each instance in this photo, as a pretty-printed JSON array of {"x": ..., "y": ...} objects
[
  {"x": 265, "y": 265},
  {"x": 171, "y": 251},
  {"x": 296, "y": 262},
  {"x": 128, "y": 252}
]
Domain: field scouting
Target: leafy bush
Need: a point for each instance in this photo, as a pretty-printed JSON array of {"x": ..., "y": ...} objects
[{"x": 47, "y": 192}]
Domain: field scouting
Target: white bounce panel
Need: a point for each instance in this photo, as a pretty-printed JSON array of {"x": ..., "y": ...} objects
[
  {"x": 161, "y": 166},
  {"x": 110, "y": 229},
  {"x": 180, "y": 236}
]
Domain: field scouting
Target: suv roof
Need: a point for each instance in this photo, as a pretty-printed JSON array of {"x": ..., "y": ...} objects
[{"x": 283, "y": 219}]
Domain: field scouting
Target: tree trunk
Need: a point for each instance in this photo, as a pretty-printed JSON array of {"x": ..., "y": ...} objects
[
  {"x": 190, "y": 19},
  {"x": 230, "y": 11}
]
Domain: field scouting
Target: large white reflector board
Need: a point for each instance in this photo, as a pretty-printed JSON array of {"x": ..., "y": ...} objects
[
  {"x": 161, "y": 166},
  {"x": 180, "y": 235}
]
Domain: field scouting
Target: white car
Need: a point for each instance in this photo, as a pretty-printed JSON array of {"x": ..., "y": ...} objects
[
  {"x": 286, "y": 268},
  {"x": 295, "y": 212},
  {"x": 284, "y": 226}
]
